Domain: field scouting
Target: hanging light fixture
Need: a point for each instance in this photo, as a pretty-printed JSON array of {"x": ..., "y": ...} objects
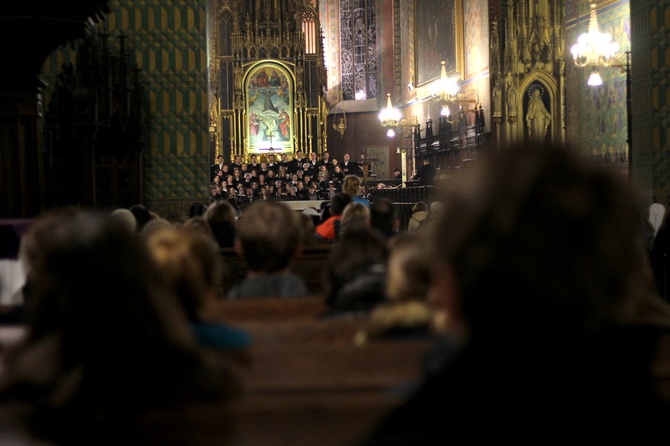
[
  {"x": 594, "y": 48},
  {"x": 341, "y": 126},
  {"x": 389, "y": 116},
  {"x": 595, "y": 79},
  {"x": 446, "y": 88}
]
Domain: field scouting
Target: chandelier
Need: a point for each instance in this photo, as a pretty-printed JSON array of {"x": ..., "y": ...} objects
[
  {"x": 341, "y": 125},
  {"x": 594, "y": 49},
  {"x": 446, "y": 88},
  {"x": 391, "y": 117}
]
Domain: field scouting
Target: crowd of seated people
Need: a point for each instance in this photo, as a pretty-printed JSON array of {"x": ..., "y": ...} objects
[
  {"x": 582, "y": 328},
  {"x": 109, "y": 355}
]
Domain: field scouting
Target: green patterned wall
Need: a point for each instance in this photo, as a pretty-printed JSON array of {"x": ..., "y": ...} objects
[
  {"x": 656, "y": 138},
  {"x": 168, "y": 39}
]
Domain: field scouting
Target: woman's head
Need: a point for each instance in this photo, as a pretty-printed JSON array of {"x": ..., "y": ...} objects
[
  {"x": 191, "y": 263},
  {"x": 107, "y": 332},
  {"x": 556, "y": 235},
  {"x": 351, "y": 185},
  {"x": 354, "y": 215}
]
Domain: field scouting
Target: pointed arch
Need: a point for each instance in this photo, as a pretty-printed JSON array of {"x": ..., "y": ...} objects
[{"x": 540, "y": 80}]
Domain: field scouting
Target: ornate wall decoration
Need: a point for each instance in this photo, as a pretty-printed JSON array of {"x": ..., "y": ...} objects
[
  {"x": 527, "y": 49},
  {"x": 251, "y": 42}
]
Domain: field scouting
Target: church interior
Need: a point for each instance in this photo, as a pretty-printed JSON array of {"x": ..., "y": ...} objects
[
  {"x": 109, "y": 103},
  {"x": 119, "y": 104}
]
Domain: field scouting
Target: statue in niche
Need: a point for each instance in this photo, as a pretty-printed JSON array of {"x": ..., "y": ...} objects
[{"x": 538, "y": 118}]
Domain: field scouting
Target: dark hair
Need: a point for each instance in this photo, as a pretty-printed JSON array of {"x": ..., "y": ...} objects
[
  {"x": 354, "y": 272},
  {"x": 142, "y": 215},
  {"x": 384, "y": 215},
  {"x": 108, "y": 334},
  {"x": 539, "y": 221},
  {"x": 269, "y": 233},
  {"x": 420, "y": 206},
  {"x": 197, "y": 209},
  {"x": 339, "y": 201}
]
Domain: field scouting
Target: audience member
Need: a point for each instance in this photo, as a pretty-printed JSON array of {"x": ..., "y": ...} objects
[
  {"x": 329, "y": 229},
  {"x": 647, "y": 233},
  {"x": 222, "y": 220},
  {"x": 656, "y": 214},
  {"x": 351, "y": 185},
  {"x": 268, "y": 238},
  {"x": 153, "y": 226},
  {"x": 354, "y": 215},
  {"x": 197, "y": 209},
  {"x": 660, "y": 258},
  {"x": 434, "y": 210},
  {"x": 419, "y": 214},
  {"x": 354, "y": 274},
  {"x": 537, "y": 264},
  {"x": 406, "y": 313},
  {"x": 384, "y": 217},
  {"x": 108, "y": 350},
  {"x": 199, "y": 223},
  {"x": 125, "y": 217},
  {"x": 307, "y": 229},
  {"x": 30, "y": 249},
  {"x": 194, "y": 267},
  {"x": 142, "y": 216}
]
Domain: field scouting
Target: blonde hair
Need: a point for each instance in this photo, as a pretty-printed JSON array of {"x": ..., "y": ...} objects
[
  {"x": 351, "y": 185},
  {"x": 353, "y": 215},
  {"x": 191, "y": 263}
]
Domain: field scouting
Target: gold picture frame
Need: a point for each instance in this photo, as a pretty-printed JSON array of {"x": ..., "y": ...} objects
[{"x": 438, "y": 36}]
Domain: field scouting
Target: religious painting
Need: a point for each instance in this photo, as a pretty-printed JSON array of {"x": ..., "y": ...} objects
[
  {"x": 439, "y": 37},
  {"x": 269, "y": 105}
]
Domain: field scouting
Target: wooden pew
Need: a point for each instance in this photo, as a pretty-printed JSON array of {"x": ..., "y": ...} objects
[
  {"x": 268, "y": 308},
  {"x": 302, "y": 331},
  {"x": 381, "y": 366},
  {"x": 328, "y": 393},
  {"x": 294, "y": 419},
  {"x": 308, "y": 381},
  {"x": 308, "y": 265}
]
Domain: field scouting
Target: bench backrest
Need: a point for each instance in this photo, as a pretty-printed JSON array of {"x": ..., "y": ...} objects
[
  {"x": 308, "y": 265},
  {"x": 383, "y": 366},
  {"x": 268, "y": 308}
]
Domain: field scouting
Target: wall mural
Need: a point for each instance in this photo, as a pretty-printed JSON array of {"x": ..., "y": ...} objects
[{"x": 269, "y": 107}]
